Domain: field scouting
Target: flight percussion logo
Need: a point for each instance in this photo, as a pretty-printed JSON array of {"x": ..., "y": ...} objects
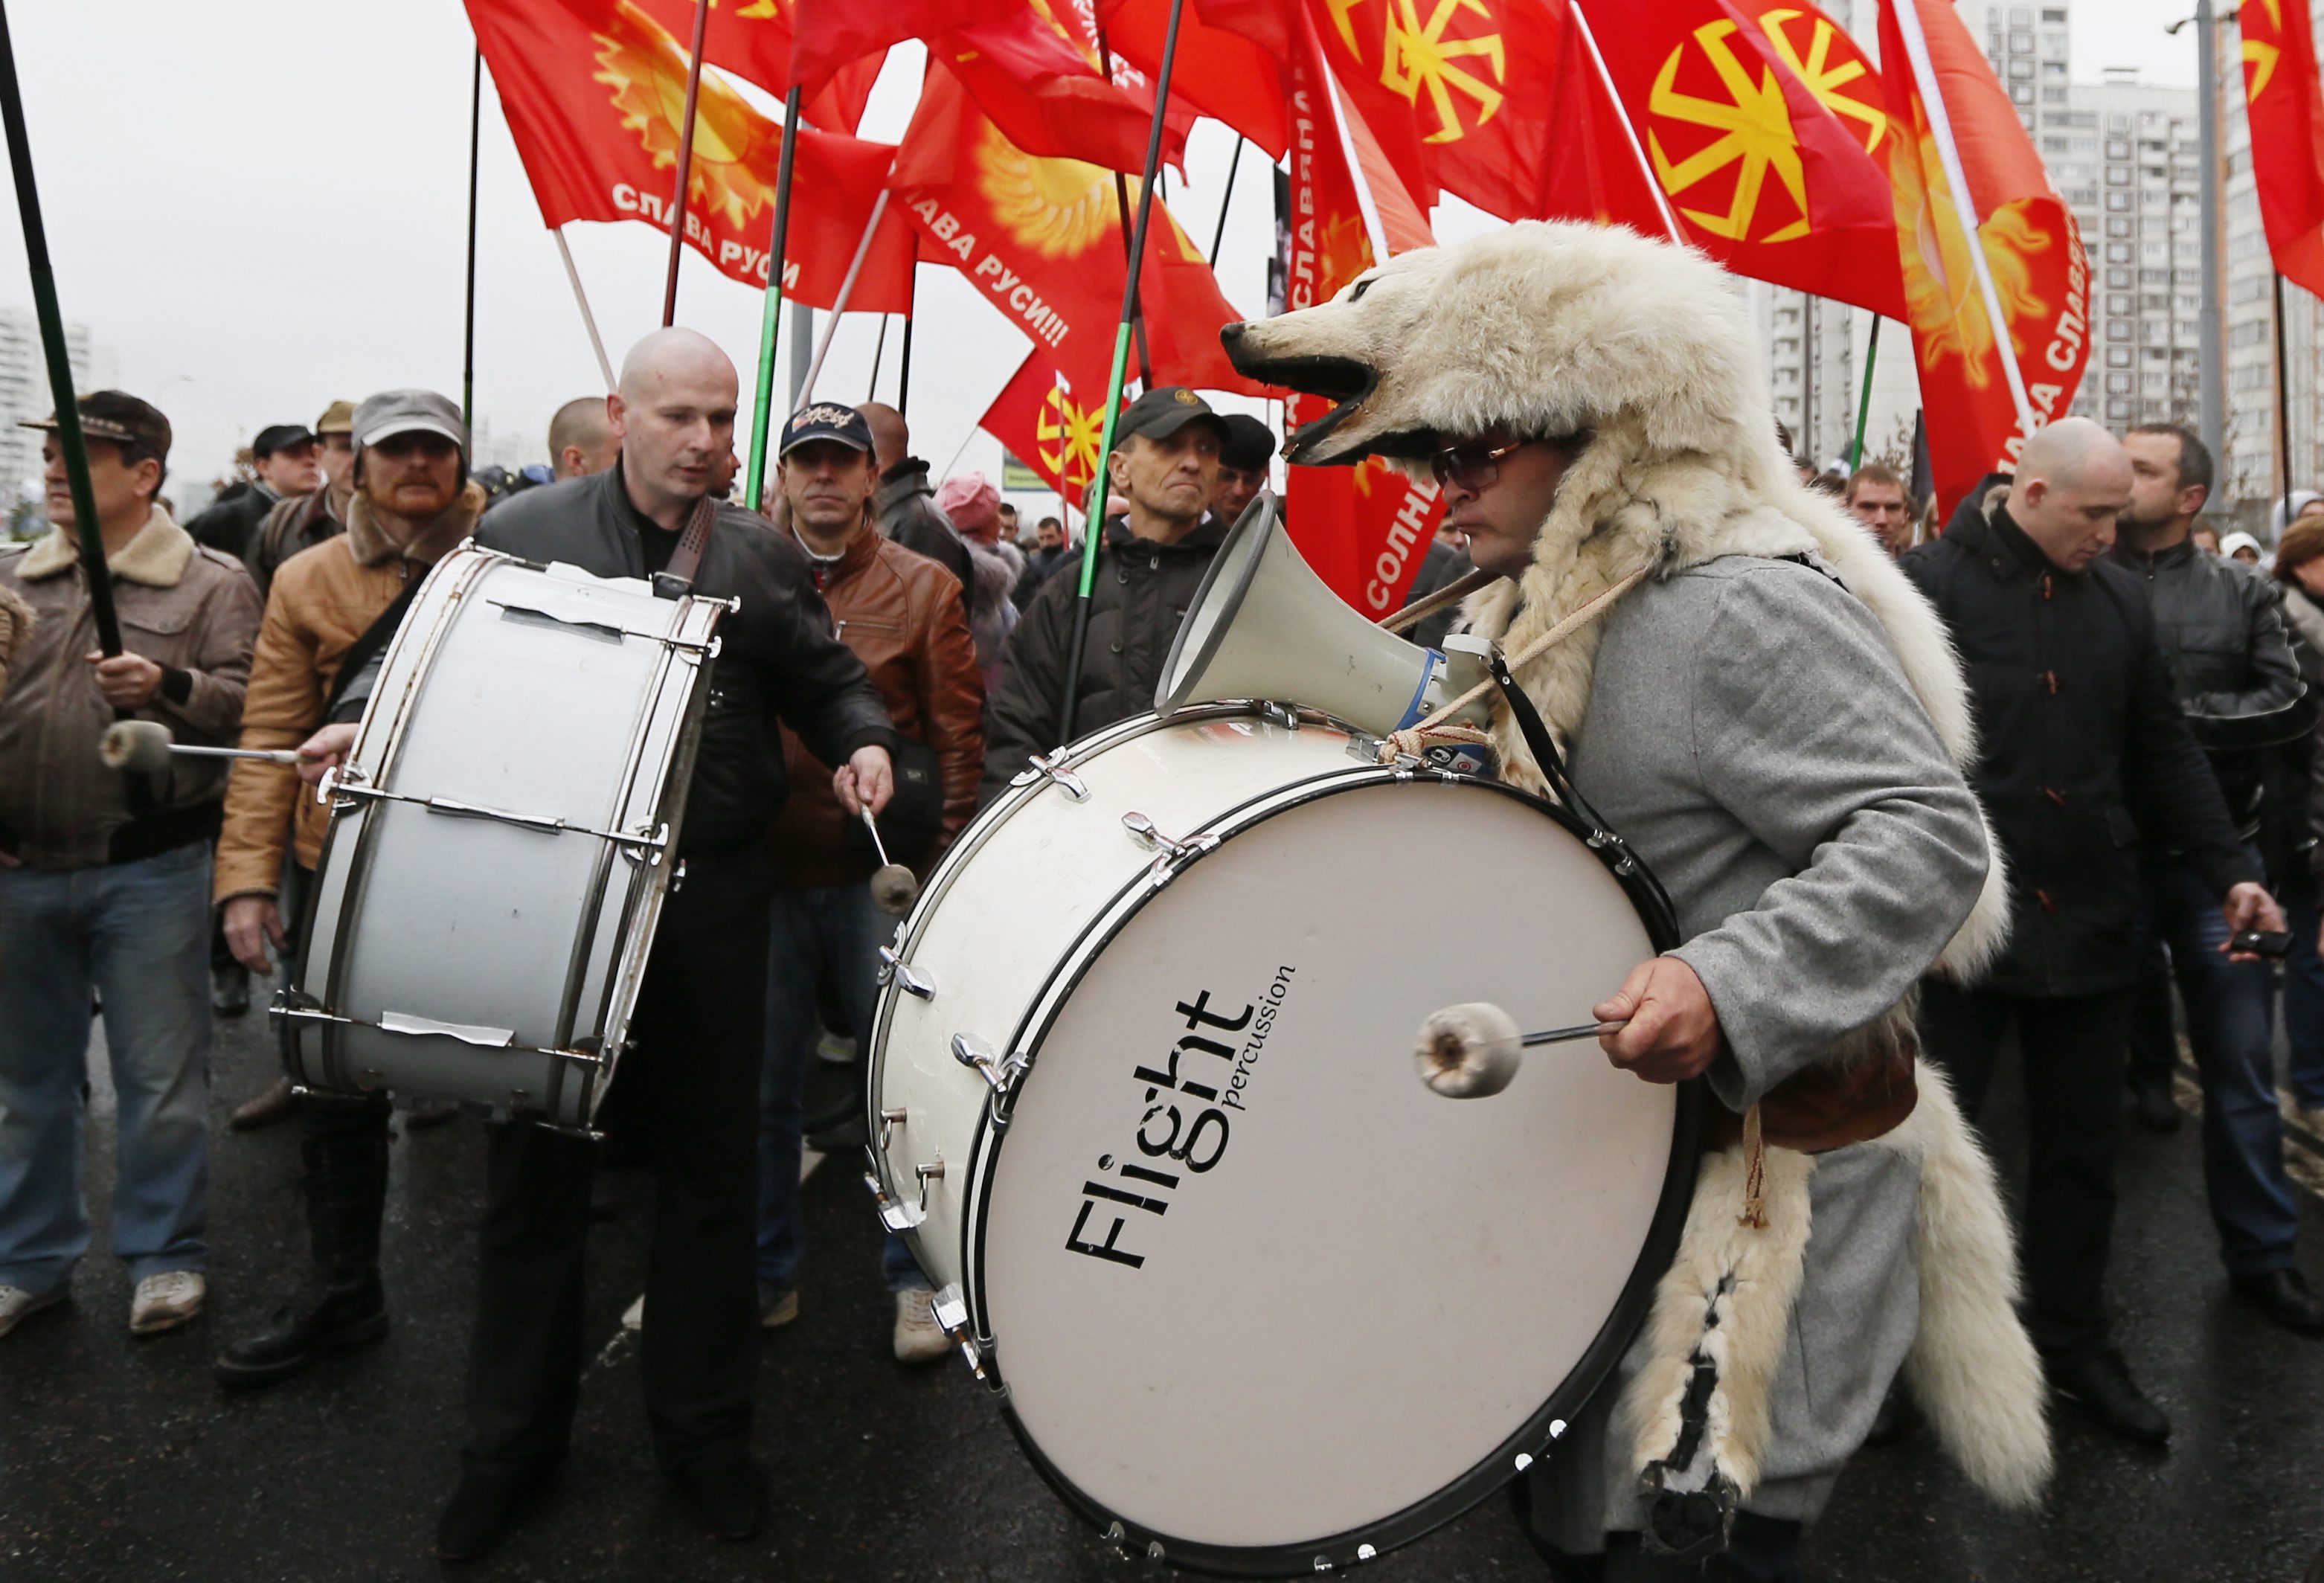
[{"x": 1185, "y": 1125}]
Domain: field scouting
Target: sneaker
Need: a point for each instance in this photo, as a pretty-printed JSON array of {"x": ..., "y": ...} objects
[
  {"x": 919, "y": 1338},
  {"x": 166, "y": 1300},
  {"x": 777, "y": 1309},
  {"x": 16, "y": 1305},
  {"x": 839, "y": 1049}
]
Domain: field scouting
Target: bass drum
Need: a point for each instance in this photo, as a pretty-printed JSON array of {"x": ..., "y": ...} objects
[{"x": 1142, "y": 1085}]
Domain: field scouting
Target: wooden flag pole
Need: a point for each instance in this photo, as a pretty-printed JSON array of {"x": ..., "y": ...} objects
[
  {"x": 468, "y": 326},
  {"x": 774, "y": 300},
  {"x": 1096, "y": 532},
  {"x": 581, "y": 301},
  {"x": 839, "y": 306},
  {"x": 685, "y": 163},
  {"x": 86, "y": 528}
]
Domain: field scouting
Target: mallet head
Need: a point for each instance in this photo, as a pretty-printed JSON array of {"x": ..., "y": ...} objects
[{"x": 1467, "y": 1052}]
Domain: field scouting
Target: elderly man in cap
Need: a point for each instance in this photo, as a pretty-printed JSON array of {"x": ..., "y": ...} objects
[
  {"x": 691, "y": 1087},
  {"x": 331, "y": 608},
  {"x": 283, "y": 461},
  {"x": 105, "y": 878},
  {"x": 301, "y": 521},
  {"x": 1165, "y": 468}
]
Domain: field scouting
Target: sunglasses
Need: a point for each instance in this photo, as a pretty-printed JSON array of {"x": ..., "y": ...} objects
[{"x": 1474, "y": 466}]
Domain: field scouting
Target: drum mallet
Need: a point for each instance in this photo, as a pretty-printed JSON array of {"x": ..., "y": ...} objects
[
  {"x": 143, "y": 748},
  {"x": 1468, "y": 1052},
  {"x": 893, "y": 888}
]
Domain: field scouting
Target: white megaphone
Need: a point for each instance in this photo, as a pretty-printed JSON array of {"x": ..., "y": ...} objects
[{"x": 1265, "y": 627}]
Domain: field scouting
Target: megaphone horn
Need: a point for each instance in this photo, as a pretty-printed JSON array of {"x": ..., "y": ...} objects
[{"x": 1265, "y": 627}]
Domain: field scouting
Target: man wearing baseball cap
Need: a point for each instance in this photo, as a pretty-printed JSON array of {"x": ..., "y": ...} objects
[
  {"x": 901, "y": 612},
  {"x": 282, "y": 459},
  {"x": 1243, "y": 466},
  {"x": 301, "y": 521},
  {"x": 1165, "y": 467},
  {"x": 330, "y": 609},
  {"x": 105, "y": 877}
]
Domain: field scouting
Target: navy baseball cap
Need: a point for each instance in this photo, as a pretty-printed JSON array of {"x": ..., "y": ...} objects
[{"x": 826, "y": 420}]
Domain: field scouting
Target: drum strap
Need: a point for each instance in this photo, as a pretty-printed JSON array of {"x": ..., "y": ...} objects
[{"x": 676, "y": 580}]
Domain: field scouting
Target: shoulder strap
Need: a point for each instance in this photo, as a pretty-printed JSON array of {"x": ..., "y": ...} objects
[
  {"x": 676, "y": 580},
  {"x": 373, "y": 643}
]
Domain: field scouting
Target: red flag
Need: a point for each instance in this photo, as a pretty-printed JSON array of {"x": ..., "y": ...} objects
[
  {"x": 2286, "y": 108},
  {"x": 1764, "y": 174},
  {"x": 1598, "y": 170},
  {"x": 1044, "y": 237},
  {"x": 830, "y": 36},
  {"x": 1365, "y": 529},
  {"x": 1985, "y": 238},
  {"x": 753, "y": 41},
  {"x": 1044, "y": 95},
  {"x": 1038, "y": 418},
  {"x": 1222, "y": 74},
  {"x": 593, "y": 91}
]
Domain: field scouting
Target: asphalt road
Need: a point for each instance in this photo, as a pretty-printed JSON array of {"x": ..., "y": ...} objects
[{"x": 119, "y": 1458}]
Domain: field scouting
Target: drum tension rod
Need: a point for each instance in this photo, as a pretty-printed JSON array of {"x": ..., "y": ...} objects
[
  {"x": 915, "y": 982},
  {"x": 1143, "y": 831},
  {"x": 1052, "y": 767}
]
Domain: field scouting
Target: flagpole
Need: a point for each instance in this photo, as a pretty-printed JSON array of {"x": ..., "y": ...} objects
[
  {"x": 1226, "y": 201},
  {"x": 87, "y": 529},
  {"x": 686, "y": 166},
  {"x": 1863, "y": 405},
  {"x": 468, "y": 327},
  {"x": 774, "y": 299},
  {"x": 846, "y": 290},
  {"x": 581, "y": 301},
  {"x": 1113, "y": 386},
  {"x": 2283, "y": 397},
  {"x": 879, "y": 352},
  {"x": 1941, "y": 127},
  {"x": 1629, "y": 132},
  {"x": 904, "y": 357},
  {"x": 1122, "y": 211}
]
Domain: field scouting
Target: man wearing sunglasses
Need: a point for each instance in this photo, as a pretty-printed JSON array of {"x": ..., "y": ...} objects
[{"x": 1748, "y": 690}]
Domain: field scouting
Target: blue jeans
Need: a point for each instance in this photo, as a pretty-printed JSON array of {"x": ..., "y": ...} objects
[
  {"x": 138, "y": 934},
  {"x": 834, "y": 926},
  {"x": 2303, "y": 992},
  {"x": 2230, "y": 1018}
]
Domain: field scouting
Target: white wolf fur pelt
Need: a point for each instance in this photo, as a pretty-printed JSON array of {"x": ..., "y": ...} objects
[{"x": 1568, "y": 329}]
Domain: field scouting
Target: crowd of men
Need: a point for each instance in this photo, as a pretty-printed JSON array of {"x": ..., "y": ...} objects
[{"x": 2148, "y": 708}]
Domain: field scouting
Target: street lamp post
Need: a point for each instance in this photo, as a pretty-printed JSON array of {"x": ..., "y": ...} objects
[{"x": 2211, "y": 338}]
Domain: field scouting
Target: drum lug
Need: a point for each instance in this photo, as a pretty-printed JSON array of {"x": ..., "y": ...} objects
[
  {"x": 889, "y": 1121},
  {"x": 914, "y": 981},
  {"x": 893, "y": 1216},
  {"x": 1279, "y": 713},
  {"x": 999, "y": 1073},
  {"x": 1052, "y": 767},
  {"x": 1174, "y": 853},
  {"x": 951, "y": 1311}
]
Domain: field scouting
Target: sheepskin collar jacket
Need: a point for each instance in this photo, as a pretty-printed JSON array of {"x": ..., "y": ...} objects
[
  {"x": 1143, "y": 589},
  {"x": 2084, "y": 743},
  {"x": 777, "y": 663},
  {"x": 189, "y": 608}
]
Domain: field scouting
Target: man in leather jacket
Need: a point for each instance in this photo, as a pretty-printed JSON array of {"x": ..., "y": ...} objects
[
  {"x": 2221, "y": 627},
  {"x": 692, "y": 1083}
]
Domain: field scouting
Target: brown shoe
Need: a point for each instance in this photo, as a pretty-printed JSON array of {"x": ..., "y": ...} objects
[{"x": 273, "y": 1102}]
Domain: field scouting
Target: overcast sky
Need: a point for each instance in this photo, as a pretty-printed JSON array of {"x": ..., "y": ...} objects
[{"x": 261, "y": 205}]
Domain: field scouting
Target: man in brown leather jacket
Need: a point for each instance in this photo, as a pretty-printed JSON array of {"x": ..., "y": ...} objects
[{"x": 901, "y": 614}]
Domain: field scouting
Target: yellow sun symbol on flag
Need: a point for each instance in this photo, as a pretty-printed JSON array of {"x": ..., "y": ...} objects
[
  {"x": 645, "y": 70},
  {"x": 1941, "y": 298},
  {"x": 1069, "y": 436},
  {"x": 1755, "y": 136},
  {"x": 1822, "y": 75},
  {"x": 1421, "y": 56},
  {"x": 1058, "y": 208}
]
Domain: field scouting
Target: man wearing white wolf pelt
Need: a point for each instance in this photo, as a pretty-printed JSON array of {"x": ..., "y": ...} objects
[{"x": 1748, "y": 691}]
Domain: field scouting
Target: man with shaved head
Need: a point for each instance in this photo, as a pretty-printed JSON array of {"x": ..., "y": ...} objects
[
  {"x": 581, "y": 438},
  {"x": 904, "y": 506},
  {"x": 2222, "y": 630},
  {"x": 2078, "y": 727},
  {"x": 690, "y": 1084}
]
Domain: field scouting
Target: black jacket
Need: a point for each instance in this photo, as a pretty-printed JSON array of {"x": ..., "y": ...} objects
[
  {"x": 1039, "y": 567},
  {"x": 777, "y": 661},
  {"x": 2078, "y": 725},
  {"x": 226, "y": 526},
  {"x": 905, "y": 507},
  {"x": 2222, "y": 628},
  {"x": 1143, "y": 590}
]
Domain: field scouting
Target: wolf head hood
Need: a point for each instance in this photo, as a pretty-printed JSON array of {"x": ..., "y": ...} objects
[{"x": 1643, "y": 355}]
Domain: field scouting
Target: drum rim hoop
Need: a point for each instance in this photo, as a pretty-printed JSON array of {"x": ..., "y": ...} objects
[{"x": 1532, "y": 1438}]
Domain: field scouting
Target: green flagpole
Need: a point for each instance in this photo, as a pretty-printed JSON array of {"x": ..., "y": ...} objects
[
  {"x": 1095, "y": 527},
  {"x": 1864, "y": 403},
  {"x": 90, "y": 532},
  {"x": 759, "y": 408}
]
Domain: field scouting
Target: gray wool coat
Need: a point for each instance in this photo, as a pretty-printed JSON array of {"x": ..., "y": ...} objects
[{"x": 1751, "y": 733}]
